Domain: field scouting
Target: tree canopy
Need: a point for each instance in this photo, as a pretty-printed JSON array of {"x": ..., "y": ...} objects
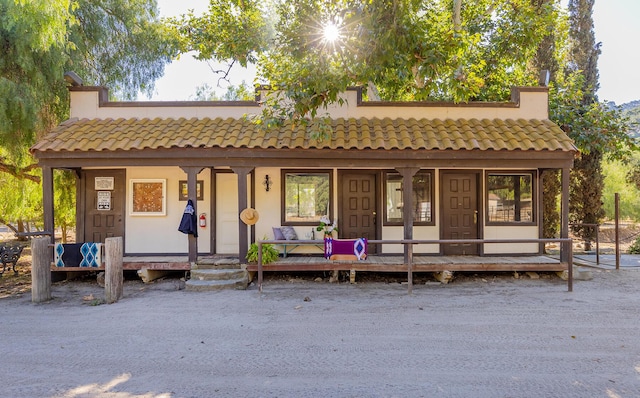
[
  {"x": 311, "y": 50},
  {"x": 121, "y": 44}
]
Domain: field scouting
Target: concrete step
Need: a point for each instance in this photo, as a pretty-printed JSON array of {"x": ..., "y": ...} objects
[
  {"x": 213, "y": 263},
  {"x": 217, "y": 274},
  {"x": 208, "y": 285}
]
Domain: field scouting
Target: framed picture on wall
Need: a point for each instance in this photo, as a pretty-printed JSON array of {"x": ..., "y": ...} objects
[
  {"x": 183, "y": 190},
  {"x": 147, "y": 197}
]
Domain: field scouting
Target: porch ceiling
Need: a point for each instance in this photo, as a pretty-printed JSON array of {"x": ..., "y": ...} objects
[{"x": 103, "y": 136}]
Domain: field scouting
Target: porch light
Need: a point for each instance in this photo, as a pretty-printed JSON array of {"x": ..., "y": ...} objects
[{"x": 267, "y": 182}]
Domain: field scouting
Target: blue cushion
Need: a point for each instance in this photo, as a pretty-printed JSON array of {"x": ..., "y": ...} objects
[
  {"x": 277, "y": 233},
  {"x": 289, "y": 233}
]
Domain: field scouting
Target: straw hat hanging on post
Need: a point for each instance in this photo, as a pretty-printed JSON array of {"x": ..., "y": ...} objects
[{"x": 249, "y": 216}]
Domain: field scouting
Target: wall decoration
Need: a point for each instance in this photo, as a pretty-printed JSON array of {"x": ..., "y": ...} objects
[
  {"x": 103, "y": 183},
  {"x": 147, "y": 197},
  {"x": 183, "y": 190}
]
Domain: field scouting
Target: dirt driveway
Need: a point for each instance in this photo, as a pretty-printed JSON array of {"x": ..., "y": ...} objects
[{"x": 488, "y": 336}]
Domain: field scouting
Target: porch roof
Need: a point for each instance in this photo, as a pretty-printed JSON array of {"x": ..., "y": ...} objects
[{"x": 98, "y": 135}]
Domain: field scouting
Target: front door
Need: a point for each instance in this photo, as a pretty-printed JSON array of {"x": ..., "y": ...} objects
[
  {"x": 104, "y": 204},
  {"x": 459, "y": 211},
  {"x": 357, "y": 211}
]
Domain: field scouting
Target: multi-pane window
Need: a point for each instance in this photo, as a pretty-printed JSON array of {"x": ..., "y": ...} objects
[
  {"x": 306, "y": 196},
  {"x": 510, "y": 198},
  {"x": 422, "y": 198}
]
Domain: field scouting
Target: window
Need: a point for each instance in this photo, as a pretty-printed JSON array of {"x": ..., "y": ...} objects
[
  {"x": 307, "y": 197},
  {"x": 422, "y": 199},
  {"x": 510, "y": 198}
]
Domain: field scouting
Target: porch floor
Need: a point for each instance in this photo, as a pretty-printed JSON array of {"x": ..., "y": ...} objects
[{"x": 420, "y": 264}]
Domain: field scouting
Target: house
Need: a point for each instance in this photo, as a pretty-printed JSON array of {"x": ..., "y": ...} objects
[{"x": 465, "y": 170}]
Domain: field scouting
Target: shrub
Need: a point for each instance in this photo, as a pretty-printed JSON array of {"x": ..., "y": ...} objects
[{"x": 269, "y": 253}]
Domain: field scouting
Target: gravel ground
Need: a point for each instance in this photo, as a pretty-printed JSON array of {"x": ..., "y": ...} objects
[{"x": 488, "y": 336}]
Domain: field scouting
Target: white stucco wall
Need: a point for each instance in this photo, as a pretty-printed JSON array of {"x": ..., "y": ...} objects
[
  {"x": 533, "y": 104},
  {"x": 511, "y": 232},
  {"x": 159, "y": 234}
]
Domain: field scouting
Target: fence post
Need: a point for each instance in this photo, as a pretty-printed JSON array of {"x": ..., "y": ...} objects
[
  {"x": 40, "y": 269},
  {"x": 113, "y": 269},
  {"x": 617, "y": 202},
  {"x": 409, "y": 252}
]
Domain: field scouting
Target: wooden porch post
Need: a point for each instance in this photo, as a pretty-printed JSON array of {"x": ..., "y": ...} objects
[
  {"x": 243, "y": 236},
  {"x": 192, "y": 193},
  {"x": 407, "y": 203},
  {"x": 47, "y": 201},
  {"x": 564, "y": 222}
]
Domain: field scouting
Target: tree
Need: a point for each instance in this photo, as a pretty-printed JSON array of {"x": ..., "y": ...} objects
[
  {"x": 118, "y": 43},
  {"x": 310, "y": 50},
  {"x": 597, "y": 129},
  {"x": 547, "y": 58}
]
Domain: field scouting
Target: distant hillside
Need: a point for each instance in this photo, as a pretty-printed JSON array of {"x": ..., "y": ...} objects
[{"x": 632, "y": 111}]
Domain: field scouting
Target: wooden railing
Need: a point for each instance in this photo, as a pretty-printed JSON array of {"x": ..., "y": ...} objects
[{"x": 566, "y": 251}]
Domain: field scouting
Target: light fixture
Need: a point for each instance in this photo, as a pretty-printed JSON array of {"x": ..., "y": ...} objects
[{"x": 267, "y": 182}]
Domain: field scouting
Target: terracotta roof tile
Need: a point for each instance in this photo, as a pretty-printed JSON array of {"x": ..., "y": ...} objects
[{"x": 385, "y": 134}]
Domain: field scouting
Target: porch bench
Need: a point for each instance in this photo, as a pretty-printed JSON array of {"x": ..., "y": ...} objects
[
  {"x": 9, "y": 255},
  {"x": 289, "y": 246}
]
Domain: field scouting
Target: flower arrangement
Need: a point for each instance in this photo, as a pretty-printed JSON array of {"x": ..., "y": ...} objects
[{"x": 326, "y": 226}]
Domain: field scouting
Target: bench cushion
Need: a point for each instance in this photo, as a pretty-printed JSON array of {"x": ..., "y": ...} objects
[
  {"x": 277, "y": 233},
  {"x": 289, "y": 233}
]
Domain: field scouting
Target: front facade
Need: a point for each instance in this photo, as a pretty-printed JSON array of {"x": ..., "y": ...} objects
[{"x": 466, "y": 171}]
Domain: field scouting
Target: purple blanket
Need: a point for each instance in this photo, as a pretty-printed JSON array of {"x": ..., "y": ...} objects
[{"x": 355, "y": 247}]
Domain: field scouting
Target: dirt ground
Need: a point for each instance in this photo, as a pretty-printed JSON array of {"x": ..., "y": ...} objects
[{"x": 483, "y": 336}]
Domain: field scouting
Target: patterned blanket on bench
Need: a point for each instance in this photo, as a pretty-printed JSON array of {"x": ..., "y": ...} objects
[
  {"x": 87, "y": 254},
  {"x": 345, "y": 249}
]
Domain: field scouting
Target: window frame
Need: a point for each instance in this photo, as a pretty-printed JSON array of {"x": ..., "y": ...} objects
[
  {"x": 534, "y": 200},
  {"x": 283, "y": 192},
  {"x": 385, "y": 217}
]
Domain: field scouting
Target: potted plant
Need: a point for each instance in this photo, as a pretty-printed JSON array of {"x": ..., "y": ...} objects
[
  {"x": 327, "y": 227},
  {"x": 269, "y": 253}
]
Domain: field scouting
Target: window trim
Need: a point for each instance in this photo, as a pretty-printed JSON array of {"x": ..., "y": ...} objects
[
  {"x": 283, "y": 190},
  {"x": 385, "y": 219},
  {"x": 534, "y": 198}
]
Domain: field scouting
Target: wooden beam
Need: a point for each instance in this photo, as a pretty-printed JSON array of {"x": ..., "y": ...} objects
[
  {"x": 192, "y": 181},
  {"x": 47, "y": 201},
  {"x": 243, "y": 236},
  {"x": 407, "y": 174}
]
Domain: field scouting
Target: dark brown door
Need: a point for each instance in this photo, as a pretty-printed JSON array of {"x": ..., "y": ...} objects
[
  {"x": 357, "y": 211},
  {"x": 459, "y": 211},
  {"x": 104, "y": 204}
]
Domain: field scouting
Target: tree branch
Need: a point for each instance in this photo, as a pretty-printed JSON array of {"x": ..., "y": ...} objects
[{"x": 20, "y": 173}]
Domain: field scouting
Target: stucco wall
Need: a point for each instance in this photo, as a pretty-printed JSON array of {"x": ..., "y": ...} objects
[
  {"x": 159, "y": 234},
  {"x": 532, "y": 104}
]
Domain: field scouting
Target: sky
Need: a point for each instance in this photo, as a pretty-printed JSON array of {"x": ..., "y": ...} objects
[{"x": 616, "y": 27}]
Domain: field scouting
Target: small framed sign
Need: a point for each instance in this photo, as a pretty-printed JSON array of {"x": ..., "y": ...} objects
[
  {"x": 183, "y": 192},
  {"x": 104, "y": 200},
  {"x": 104, "y": 183}
]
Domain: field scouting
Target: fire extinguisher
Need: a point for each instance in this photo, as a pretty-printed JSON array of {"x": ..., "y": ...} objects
[{"x": 203, "y": 220}]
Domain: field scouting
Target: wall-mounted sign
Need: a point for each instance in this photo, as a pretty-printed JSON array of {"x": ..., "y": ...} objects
[
  {"x": 104, "y": 183},
  {"x": 104, "y": 200}
]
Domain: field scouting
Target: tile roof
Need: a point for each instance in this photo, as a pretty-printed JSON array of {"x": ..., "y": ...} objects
[{"x": 362, "y": 133}]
